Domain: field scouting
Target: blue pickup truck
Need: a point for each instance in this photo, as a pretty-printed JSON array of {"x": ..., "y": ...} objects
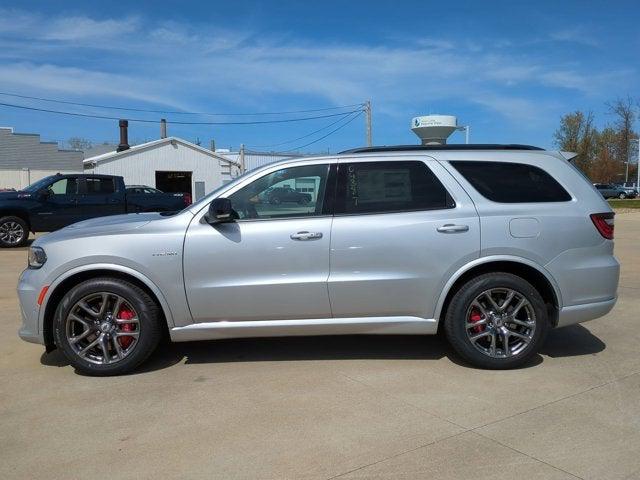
[{"x": 60, "y": 200}]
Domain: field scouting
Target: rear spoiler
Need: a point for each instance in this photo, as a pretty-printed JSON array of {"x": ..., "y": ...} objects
[{"x": 568, "y": 156}]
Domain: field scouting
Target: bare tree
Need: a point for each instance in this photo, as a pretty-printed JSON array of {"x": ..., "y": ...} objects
[
  {"x": 576, "y": 133},
  {"x": 79, "y": 143},
  {"x": 625, "y": 117}
]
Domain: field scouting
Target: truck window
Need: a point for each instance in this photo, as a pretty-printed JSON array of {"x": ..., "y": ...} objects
[
  {"x": 100, "y": 186},
  {"x": 64, "y": 186}
]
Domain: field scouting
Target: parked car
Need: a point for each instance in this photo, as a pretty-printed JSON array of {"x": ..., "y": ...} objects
[
  {"x": 60, "y": 200},
  {"x": 630, "y": 191},
  {"x": 158, "y": 197},
  {"x": 287, "y": 194},
  {"x": 495, "y": 245},
  {"x": 608, "y": 190}
]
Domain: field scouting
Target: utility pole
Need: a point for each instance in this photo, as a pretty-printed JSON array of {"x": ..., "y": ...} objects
[
  {"x": 367, "y": 119},
  {"x": 638, "y": 168},
  {"x": 242, "y": 165}
]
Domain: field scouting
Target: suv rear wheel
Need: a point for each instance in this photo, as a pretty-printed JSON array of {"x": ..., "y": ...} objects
[
  {"x": 107, "y": 326},
  {"x": 496, "y": 321}
]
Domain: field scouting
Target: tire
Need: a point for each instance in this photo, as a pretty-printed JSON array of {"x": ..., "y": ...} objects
[
  {"x": 143, "y": 333},
  {"x": 622, "y": 196},
  {"x": 462, "y": 312},
  {"x": 274, "y": 201},
  {"x": 14, "y": 232}
]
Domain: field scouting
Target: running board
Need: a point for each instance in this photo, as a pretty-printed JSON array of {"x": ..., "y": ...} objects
[{"x": 323, "y": 326}]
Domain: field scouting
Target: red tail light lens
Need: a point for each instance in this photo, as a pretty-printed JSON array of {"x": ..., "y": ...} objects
[
  {"x": 187, "y": 199},
  {"x": 604, "y": 224}
]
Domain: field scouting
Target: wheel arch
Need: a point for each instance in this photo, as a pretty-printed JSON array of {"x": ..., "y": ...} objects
[
  {"x": 16, "y": 212},
  {"x": 539, "y": 278},
  {"x": 65, "y": 282}
]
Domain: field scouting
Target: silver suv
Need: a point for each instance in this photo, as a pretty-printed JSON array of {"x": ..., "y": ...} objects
[{"x": 493, "y": 244}]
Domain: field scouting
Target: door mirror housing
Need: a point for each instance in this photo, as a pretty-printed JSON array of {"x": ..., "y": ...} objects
[
  {"x": 44, "y": 192},
  {"x": 220, "y": 211}
]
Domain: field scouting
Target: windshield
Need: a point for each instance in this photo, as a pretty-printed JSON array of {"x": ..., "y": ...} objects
[{"x": 40, "y": 184}]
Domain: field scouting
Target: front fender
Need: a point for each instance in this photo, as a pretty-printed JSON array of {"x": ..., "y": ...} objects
[{"x": 114, "y": 268}]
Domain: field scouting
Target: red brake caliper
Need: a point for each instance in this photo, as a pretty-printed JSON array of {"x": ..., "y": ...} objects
[
  {"x": 474, "y": 317},
  {"x": 126, "y": 314}
]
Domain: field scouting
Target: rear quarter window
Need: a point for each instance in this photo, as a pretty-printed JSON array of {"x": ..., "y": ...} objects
[{"x": 511, "y": 182}]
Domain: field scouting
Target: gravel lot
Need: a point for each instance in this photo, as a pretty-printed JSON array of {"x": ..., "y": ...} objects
[{"x": 326, "y": 407}]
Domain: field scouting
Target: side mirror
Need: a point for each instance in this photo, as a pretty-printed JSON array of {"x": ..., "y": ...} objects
[
  {"x": 220, "y": 211},
  {"x": 43, "y": 192}
]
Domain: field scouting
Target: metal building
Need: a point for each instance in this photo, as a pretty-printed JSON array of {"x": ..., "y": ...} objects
[
  {"x": 170, "y": 164},
  {"x": 24, "y": 159}
]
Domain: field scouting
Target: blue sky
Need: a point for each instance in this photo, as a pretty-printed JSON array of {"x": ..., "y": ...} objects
[{"x": 508, "y": 69}]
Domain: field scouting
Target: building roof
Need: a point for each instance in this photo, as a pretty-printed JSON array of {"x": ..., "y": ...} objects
[
  {"x": 99, "y": 149},
  {"x": 153, "y": 144}
]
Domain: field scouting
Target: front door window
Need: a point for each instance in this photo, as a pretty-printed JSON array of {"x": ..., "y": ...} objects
[{"x": 289, "y": 192}]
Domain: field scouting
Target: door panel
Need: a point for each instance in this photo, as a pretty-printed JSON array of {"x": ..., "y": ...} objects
[
  {"x": 99, "y": 198},
  {"x": 60, "y": 207},
  {"x": 254, "y": 270},
  {"x": 272, "y": 263},
  {"x": 395, "y": 264}
]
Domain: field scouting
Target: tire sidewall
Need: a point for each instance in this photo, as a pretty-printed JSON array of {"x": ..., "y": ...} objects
[
  {"x": 456, "y": 318},
  {"x": 25, "y": 232},
  {"x": 148, "y": 325}
]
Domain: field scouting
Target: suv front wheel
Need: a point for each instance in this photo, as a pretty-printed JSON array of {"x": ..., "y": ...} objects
[
  {"x": 496, "y": 321},
  {"x": 107, "y": 326}
]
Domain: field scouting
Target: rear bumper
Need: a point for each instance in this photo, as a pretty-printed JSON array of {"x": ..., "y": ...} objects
[{"x": 583, "y": 313}]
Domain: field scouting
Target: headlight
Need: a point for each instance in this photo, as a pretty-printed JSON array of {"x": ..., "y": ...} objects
[{"x": 37, "y": 257}]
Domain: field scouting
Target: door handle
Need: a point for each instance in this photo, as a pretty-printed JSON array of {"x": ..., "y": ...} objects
[
  {"x": 451, "y": 228},
  {"x": 306, "y": 236}
]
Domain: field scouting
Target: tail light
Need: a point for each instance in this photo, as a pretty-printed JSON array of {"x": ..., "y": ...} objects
[
  {"x": 604, "y": 224},
  {"x": 187, "y": 199}
]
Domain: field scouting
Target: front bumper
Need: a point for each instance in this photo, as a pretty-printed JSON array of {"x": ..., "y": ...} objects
[{"x": 29, "y": 287}]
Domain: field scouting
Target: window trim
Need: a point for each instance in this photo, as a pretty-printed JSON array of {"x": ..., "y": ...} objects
[
  {"x": 341, "y": 165},
  {"x": 510, "y": 162}
]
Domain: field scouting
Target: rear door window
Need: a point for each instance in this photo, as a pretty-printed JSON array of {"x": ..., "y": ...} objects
[
  {"x": 385, "y": 187},
  {"x": 511, "y": 182},
  {"x": 99, "y": 186}
]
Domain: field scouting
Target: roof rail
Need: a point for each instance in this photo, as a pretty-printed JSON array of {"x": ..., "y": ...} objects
[{"x": 463, "y": 146}]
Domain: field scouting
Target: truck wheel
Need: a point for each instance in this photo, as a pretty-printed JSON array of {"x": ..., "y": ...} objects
[
  {"x": 496, "y": 321},
  {"x": 106, "y": 326},
  {"x": 622, "y": 196},
  {"x": 14, "y": 232}
]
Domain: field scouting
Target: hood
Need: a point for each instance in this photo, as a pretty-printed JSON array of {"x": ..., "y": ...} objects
[
  {"x": 102, "y": 226},
  {"x": 10, "y": 195}
]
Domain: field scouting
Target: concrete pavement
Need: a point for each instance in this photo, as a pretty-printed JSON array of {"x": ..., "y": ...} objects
[{"x": 331, "y": 407}]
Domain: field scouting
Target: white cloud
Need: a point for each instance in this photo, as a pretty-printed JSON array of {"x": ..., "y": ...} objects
[{"x": 177, "y": 64}]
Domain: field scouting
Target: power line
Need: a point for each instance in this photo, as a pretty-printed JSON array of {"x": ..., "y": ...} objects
[
  {"x": 299, "y": 138},
  {"x": 141, "y": 120},
  {"x": 359, "y": 112},
  {"x": 169, "y": 112}
]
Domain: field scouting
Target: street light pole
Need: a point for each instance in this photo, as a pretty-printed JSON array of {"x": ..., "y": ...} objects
[{"x": 466, "y": 129}]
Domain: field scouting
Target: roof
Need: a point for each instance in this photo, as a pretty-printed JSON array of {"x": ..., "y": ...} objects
[
  {"x": 470, "y": 146},
  {"x": 155, "y": 143},
  {"x": 99, "y": 149}
]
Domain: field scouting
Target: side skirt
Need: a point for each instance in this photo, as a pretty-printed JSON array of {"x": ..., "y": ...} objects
[{"x": 321, "y": 326}]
